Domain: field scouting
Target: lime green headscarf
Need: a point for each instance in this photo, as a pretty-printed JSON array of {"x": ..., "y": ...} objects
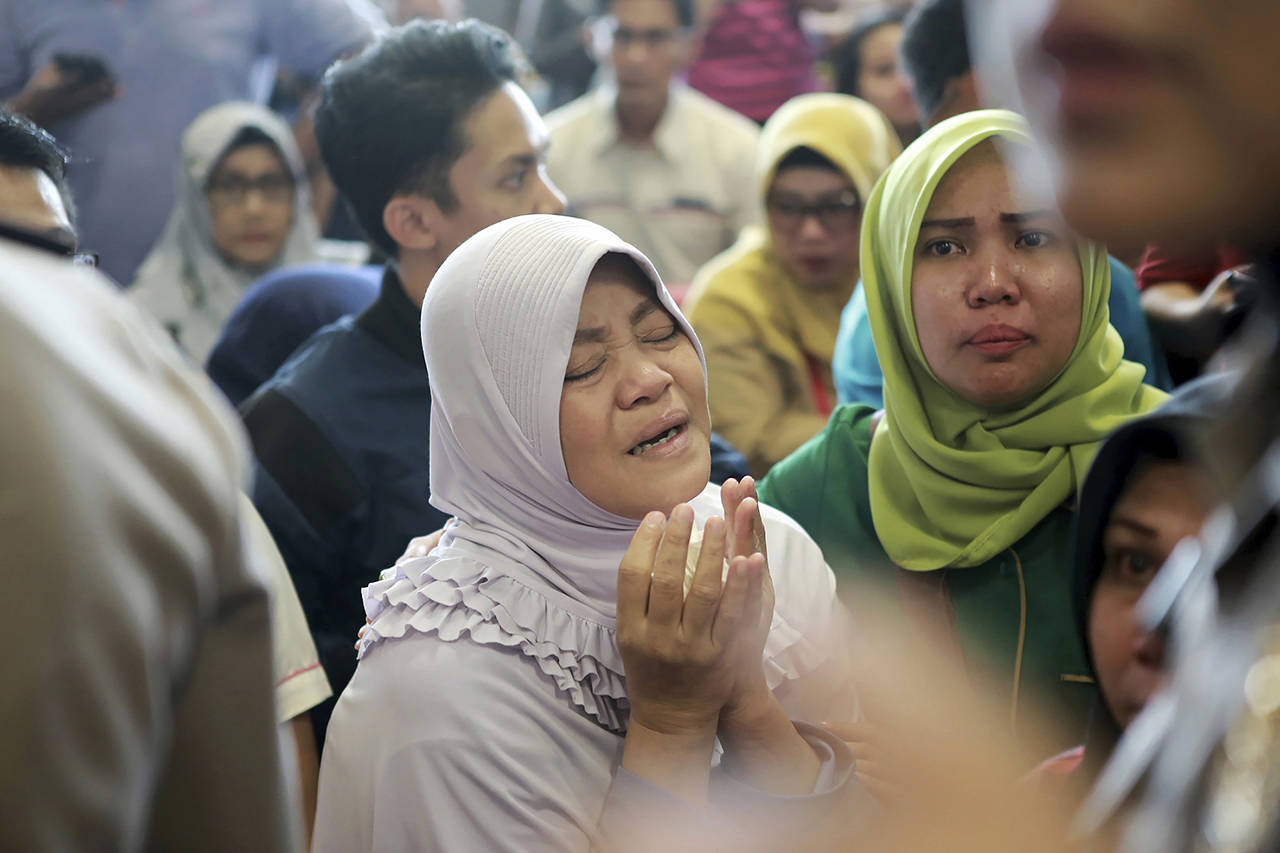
[{"x": 952, "y": 483}]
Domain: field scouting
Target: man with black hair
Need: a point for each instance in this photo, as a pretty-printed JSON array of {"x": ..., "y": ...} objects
[
  {"x": 429, "y": 139},
  {"x": 935, "y": 55},
  {"x": 664, "y": 167},
  {"x": 33, "y": 182}
]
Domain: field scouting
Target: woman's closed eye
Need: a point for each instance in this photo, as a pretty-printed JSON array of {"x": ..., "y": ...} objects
[
  {"x": 584, "y": 369},
  {"x": 663, "y": 335}
]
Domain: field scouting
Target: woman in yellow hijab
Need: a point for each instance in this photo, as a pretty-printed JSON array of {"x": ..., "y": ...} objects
[
  {"x": 1002, "y": 374},
  {"x": 768, "y": 309}
]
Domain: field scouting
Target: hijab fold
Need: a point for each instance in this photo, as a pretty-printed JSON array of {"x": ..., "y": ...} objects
[
  {"x": 185, "y": 282},
  {"x": 953, "y": 484}
]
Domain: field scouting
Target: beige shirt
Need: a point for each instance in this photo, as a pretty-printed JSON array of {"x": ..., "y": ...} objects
[
  {"x": 136, "y": 707},
  {"x": 680, "y": 200}
]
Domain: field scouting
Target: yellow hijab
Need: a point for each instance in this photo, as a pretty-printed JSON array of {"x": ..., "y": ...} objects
[
  {"x": 951, "y": 483},
  {"x": 859, "y": 140}
]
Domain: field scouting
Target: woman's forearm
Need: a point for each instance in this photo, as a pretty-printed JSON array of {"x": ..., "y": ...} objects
[
  {"x": 678, "y": 763},
  {"x": 763, "y": 749}
]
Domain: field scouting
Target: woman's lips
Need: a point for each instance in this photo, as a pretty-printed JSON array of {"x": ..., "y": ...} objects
[
  {"x": 999, "y": 340},
  {"x": 673, "y": 446}
]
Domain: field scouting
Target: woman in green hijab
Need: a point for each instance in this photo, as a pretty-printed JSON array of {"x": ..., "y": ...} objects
[{"x": 1002, "y": 374}]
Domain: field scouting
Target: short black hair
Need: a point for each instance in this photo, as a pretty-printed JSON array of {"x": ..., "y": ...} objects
[
  {"x": 24, "y": 145},
  {"x": 935, "y": 49},
  {"x": 390, "y": 119},
  {"x": 684, "y": 10},
  {"x": 847, "y": 57}
]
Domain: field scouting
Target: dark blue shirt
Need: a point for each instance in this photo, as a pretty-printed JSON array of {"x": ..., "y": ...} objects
[{"x": 341, "y": 435}]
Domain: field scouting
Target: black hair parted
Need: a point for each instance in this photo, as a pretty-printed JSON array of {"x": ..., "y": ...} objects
[
  {"x": 847, "y": 57},
  {"x": 25, "y": 145},
  {"x": 935, "y": 49},
  {"x": 390, "y": 120},
  {"x": 684, "y": 10}
]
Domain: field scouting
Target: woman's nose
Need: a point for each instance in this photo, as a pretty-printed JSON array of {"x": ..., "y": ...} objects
[
  {"x": 550, "y": 199},
  {"x": 995, "y": 284},
  {"x": 644, "y": 381}
]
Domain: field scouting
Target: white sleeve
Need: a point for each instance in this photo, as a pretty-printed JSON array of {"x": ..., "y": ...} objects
[{"x": 300, "y": 680}]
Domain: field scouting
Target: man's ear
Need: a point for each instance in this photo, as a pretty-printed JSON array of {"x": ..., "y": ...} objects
[
  {"x": 597, "y": 40},
  {"x": 412, "y": 221}
]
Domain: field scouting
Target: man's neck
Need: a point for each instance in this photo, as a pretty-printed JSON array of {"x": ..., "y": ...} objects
[
  {"x": 637, "y": 125},
  {"x": 416, "y": 269}
]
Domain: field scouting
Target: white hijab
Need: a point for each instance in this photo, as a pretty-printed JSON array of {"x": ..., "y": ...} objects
[
  {"x": 184, "y": 281},
  {"x": 531, "y": 563}
]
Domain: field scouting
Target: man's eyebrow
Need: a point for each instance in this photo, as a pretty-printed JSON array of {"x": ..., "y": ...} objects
[{"x": 959, "y": 222}]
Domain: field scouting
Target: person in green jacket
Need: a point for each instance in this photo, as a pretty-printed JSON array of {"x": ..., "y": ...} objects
[{"x": 1002, "y": 375}]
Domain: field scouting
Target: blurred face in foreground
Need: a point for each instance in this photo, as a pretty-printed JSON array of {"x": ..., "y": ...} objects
[{"x": 1162, "y": 113}]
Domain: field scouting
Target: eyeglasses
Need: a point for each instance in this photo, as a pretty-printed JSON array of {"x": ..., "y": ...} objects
[
  {"x": 39, "y": 241},
  {"x": 233, "y": 191},
  {"x": 834, "y": 213}
]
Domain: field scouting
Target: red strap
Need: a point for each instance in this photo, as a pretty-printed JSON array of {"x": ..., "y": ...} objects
[{"x": 818, "y": 387}]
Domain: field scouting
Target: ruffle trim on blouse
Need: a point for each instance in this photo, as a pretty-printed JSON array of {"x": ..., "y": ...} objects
[{"x": 461, "y": 598}]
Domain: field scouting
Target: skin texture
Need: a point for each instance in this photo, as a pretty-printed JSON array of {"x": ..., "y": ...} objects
[
  {"x": 501, "y": 174},
  {"x": 622, "y": 378},
  {"x": 31, "y": 201},
  {"x": 881, "y": 81},
  {"x": 250, "y": 233},
  {"x": 1024, "y": 275},
  {"x": 648, "y": 49},
  {"x": 1162, "y": 113},
  {"x": 814, "y": 257},
  {"x": 1163, "y": 503}
]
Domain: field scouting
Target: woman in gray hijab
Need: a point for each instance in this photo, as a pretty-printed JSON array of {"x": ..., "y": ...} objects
[{"x": 242, "y": 210}]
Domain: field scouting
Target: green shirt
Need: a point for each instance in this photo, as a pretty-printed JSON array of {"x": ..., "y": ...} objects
[{"x": 1013, "y": 613}]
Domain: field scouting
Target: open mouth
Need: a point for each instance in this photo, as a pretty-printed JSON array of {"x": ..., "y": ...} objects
[{"x": 657, "y": 440}]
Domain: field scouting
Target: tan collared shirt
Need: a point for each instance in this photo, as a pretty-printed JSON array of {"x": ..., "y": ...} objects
[{"x": 680, "y": 199}]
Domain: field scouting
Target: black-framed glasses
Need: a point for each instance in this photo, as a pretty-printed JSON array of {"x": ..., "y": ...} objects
[
  {"x": 838, "y": 212},
  {"x": 233, "y": 190},
  {"x": 48, "y": 244}
]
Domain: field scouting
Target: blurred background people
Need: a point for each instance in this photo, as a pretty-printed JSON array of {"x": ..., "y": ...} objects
[
  {"x": 753, "y": 56},
  {"x": 118, "y": 83},
  {"x": 242, "y": 209},
  {"x": 665, "y": 167},
  {"x": 867, "y": 66},
  {"x": 767, "y": 310},
  {"x": 429, "y": 139}
]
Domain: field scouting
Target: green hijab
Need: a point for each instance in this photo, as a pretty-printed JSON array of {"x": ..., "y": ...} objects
[{"x": 953, "y": 483}]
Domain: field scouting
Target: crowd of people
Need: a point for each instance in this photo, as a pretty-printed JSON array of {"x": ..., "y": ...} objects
[{"x": 639, "y": 425}]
